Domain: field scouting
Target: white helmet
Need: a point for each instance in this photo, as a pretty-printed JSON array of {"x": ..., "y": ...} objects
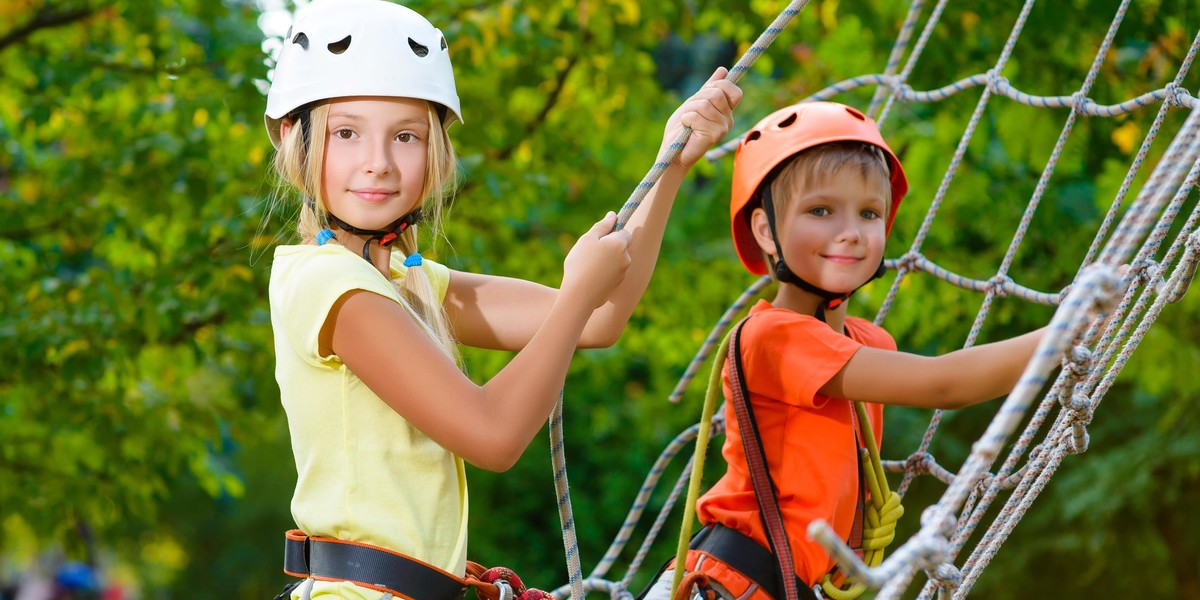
[{"x": 340, "y": 48}]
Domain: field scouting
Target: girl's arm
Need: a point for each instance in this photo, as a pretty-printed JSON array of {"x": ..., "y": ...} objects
[
  {"x": 960, "y": 378},
  {"x": 503, "y": 313},
  {"x": 490, "y": 425}
]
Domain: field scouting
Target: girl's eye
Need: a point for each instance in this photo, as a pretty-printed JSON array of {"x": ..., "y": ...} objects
[
  {"x": 344, "y": 134},
  {"x": 406, "y": 137}
]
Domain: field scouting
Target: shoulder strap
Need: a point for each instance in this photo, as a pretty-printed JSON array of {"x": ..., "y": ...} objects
[{"x": 756, "y": 462}]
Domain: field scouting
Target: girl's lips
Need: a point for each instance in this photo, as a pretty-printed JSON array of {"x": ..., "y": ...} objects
[{"x": 373, "y": 196}]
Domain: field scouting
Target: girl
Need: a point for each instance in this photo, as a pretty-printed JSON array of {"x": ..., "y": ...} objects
[{"x": 381, "y": 417}]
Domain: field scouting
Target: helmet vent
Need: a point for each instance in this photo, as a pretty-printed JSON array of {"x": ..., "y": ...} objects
[
  {"x": 788, "y": 122},
  {"x": 857, "y": 115},
  {"x": 340, "y": 46},
  {"x": 443, "y": 42},
  {"x": 301, "y": 39},
  {"x": 418, "y": 49},
  {"x": 753, "y": 135}
]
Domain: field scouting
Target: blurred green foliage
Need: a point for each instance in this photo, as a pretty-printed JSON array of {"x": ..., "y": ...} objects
[{"x": 138, "y": 397}]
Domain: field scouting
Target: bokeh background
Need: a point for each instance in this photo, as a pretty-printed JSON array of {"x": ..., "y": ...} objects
[{"x": 143, "y": 449}]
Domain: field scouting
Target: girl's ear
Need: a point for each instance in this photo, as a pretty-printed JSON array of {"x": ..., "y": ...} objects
[
  {"x": 761, "y": 228},
  {"x": 285, "y": 125}
]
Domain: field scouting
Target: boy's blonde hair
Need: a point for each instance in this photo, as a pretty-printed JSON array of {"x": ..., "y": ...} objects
[
  {"x": 816, "y": 163},
  {"x": 300, "y": 167}
]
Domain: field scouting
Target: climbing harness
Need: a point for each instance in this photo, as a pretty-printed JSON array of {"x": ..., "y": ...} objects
[{"x": 329, "y": 559}]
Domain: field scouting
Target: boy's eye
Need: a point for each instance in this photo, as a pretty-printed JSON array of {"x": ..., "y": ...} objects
[
  {"x": 818, "y": 211},
  {"x": 870, "y": 215}
]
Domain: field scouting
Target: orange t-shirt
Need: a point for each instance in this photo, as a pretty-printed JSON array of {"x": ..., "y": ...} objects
[{"x": 808, "y": 438}]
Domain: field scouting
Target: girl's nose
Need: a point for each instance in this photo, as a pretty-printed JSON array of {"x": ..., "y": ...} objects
[{"x": 378, "y": 161}]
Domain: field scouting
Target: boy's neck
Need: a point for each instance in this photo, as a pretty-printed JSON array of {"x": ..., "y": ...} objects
[{"x": 791, "y": 297}]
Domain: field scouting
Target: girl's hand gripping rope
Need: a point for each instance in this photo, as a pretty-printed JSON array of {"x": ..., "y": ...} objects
[
  {"x": 709, "y": 112},
  {"x": 597, "y": 263}
]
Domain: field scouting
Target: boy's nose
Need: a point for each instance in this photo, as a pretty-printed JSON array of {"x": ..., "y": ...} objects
[{"x": 849, "y": 231}]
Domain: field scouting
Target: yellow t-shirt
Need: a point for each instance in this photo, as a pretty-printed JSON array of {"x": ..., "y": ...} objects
[{"x": 364, "y": 473}]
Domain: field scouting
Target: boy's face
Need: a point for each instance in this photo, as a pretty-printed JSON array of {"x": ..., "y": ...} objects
[{"x": 832, "y": 230}]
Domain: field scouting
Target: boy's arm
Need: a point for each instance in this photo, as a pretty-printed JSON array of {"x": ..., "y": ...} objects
[{"x": 955, "y": 380}]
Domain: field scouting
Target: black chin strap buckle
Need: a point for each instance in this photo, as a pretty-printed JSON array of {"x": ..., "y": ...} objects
[{"x": 385, "y": 236}]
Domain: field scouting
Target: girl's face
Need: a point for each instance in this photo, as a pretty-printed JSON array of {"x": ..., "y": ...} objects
[
  {"x": 833, "y": 230},
  {"x": 375, "y": 155}
]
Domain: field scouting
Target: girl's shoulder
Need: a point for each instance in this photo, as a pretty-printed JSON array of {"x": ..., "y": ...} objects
[{"x": 304, "y": 268}]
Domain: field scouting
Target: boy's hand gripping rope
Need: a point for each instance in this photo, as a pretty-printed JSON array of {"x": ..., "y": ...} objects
[{"x": 574, "y": 570}]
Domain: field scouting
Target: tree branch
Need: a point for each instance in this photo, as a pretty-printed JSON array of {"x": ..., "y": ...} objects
[
  {"x": 45, "y": 18},
  {"x": 560, "y": 81}
]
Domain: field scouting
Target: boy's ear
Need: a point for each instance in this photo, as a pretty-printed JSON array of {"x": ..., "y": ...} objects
[{"x": 761, "y": 228}]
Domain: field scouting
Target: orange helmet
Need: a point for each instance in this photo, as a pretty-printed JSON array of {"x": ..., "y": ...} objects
[{"x": 783, "y": 134}]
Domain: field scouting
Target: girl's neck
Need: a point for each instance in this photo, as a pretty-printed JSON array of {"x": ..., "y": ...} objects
[
  {"x": 797, "y": 300},
  {"x": 381, "y": 256}
]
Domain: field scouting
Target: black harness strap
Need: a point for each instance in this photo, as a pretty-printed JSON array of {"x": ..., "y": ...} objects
[
  {"x": 747, "y": 556},
  {"x": 329, "y": 559}
]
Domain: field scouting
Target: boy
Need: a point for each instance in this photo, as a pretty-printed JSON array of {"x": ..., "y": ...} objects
[{"x": 815, "y": 191}]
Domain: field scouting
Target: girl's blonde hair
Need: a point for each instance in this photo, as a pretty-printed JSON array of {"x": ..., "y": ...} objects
[{"x": 300, "y": 167}]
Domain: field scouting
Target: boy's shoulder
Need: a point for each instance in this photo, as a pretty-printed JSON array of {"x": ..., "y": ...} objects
[{"x": 790, "y": 328}]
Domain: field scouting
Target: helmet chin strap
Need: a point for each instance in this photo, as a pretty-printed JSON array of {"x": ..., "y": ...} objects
[
  {"x": 384, "y": 236},
  {"x": 784, "y": 274}
]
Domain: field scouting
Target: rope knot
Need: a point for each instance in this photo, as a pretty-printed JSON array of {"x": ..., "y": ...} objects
[
  {"x": 1080, "y": 102},
  {"x": 918, "y": 463},
  {"x": 909, "y": 263},
  {"x": 880, "y": 528},
  {"x": 1143, "y": 271},
  {"x": 1176, "y": 95},
  {"x": 947, "y": 576},
  {"x": 1081, "y": 407},
  {"x": 998, "y": 285},
  {"x": 996, "y": 82},
  {"x": 984, "y": 482},
  {"x": 1193, "y": 241},
  {"x": 1077, "y": 362}
]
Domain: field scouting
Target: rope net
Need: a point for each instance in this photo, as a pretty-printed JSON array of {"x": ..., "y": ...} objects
[{"x": 1099, "y": 321}]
